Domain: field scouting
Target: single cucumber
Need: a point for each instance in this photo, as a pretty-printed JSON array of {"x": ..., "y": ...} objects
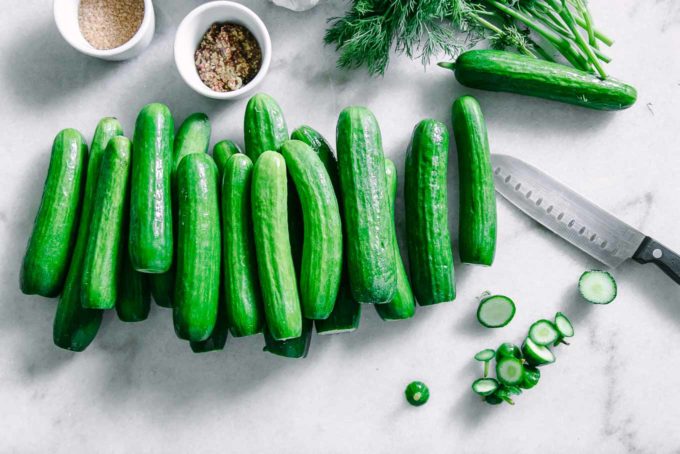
[
  {"x": 509, "y": 349},
  {"x": 297, "y": 347},
  {"x": 536, "y": 355},
  {"x": 198, "y": 249},
  {"x": 241, "y": 284},
  {"x": 269, "y": 194},
  {"x": 427, "y": 226},
  {"x": 54, "y": 230},
  {"x": 322, "y": 246},
  {"x": 133, "y": 302},
  {"x": 346, "y": 313},
  {"x": 563, "y": 325},
  {"x": 403, "y": 304},
  {"x": 477, "y": 224},
  {"x": 370, "y": 253},
  {"x": 103, "y": 257},
  {"x": 417, "y": 393},
  {"x": 264, "y": 126},
  {"x": 597, "y": 287},
  {"x": 543, "y": 332},
  {"x": 509, "y": 72},
  {"x": 530, "y": 377},
  {"x": 509, "y": 370},
  {"x": 485, "y": 386},
  {"x": 151, "y": 241},
  {"x": 495, "y": 311},
  {"x": 222, "y": 151},
  {"x": 74, "y": 326},
  {"x": 193, "y": 136}
]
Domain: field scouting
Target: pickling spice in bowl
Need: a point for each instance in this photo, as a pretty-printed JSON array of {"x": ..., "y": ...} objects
[
  {"x": 228, "y": 57},
  {"x": 108, "y": 24}
]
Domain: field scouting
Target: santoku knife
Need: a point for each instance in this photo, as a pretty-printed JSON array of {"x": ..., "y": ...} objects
[{"x": 576, "y": 219}]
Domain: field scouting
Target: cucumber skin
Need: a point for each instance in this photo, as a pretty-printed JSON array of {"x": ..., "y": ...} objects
[
  {"x": 322, "y": 246},
  {"x": 241, "y": 285},
  {"x": 74, "y": 326},
  {"x": 346, "y": 313},
  {"x": 151, "y": 237},
  {"x": 264, "y": 126},
  {"x": 133, "y": 303},
  {"x": 198, "y": 249},
  {"x": 426, "y": 199},
  {"x": 403, "y": 305},
  {"x": 291, "y": 348},
  {"x": 193, "y": 136},
  {"x": 162, "y": 287},
  {"x": 51, "y": 243},
  {"x": 222, "y": 151},
  {"x": 477, "y": 218},
  {"x": 370, "y": 256},
  {"x": 495, "y": 70},
  {"x": 269, "y": 200},
  {"x": 103, "y": 259}
]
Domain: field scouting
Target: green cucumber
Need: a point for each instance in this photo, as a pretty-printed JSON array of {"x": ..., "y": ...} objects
[
  {"x": 54, "y": 231},
  {"x": 530, "y": 377},
  {"x": 241, "y": 285},
  {"x": 222, "y": 151},
  {"x": 162, "y": 287},
  {"x": 536, "y": 355},
  {"x": 103, "y": 257},
  {"x": 346, "y": 313},
  {"x": 543, "y": 332},
  {"x": 509, "y": 370},
  {"x": 365, "y": 199},
  {"x": 563, "y": 326},
  {"x": 297, "y": 347},
  {"x": 597, "y": 287},
  {"x": 485, "y": 386},
  {"x": 509, "y": 349},
  {"x": 403, "y": 304},
  {"x": 495, "y": 311},
  {"x": 151, "y": 241},
  {"x": 427, "y": 227},
  {"x": 74, "y": 326},
  {"x": 510, "y": 72},
  {"x": 218, "y": 337},
  {"x": 322, "y": 246},
  {"x": 133, "y": 300},
  {"x": 198, "y": 249},
  {"x": 477, "y": 224},
  {"x": 269, "y": 199},
  {"x": 264, "y": 126},
  {"x": 417, "y": 393},
  {"x": 193, "y": 136}
]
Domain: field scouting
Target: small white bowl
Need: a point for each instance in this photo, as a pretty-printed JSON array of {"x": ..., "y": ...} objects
[
  {"x": 66, "y": 17},
  {"x": 194, "y": 26}
]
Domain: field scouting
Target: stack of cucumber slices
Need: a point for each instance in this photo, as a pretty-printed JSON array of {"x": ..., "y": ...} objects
[{"x": 517, "y": 368}]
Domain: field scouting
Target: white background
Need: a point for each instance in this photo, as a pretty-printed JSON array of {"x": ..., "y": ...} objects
[{"x": 139, "y": 389}]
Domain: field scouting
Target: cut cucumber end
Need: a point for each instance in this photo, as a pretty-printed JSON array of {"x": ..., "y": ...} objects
[
  {"x": 563, "y": 325},
  {"x": 495, "y": 311},
  {"x": 508, "y": 349},
  {"x": 597, "y": 287},
  {"x": 543, "y": 332},
  {"x": 485, "y": 386},
  {"x": 417, "y": 393},
  {"x": 537, "y": 355},
  {"x": 509, "y": 370},
  {"x": 485, "y": 355}
]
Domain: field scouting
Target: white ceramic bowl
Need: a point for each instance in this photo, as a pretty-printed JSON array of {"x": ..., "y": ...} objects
[
  {"x": 66, "y": 17},
  {"x": 194, "y": 26}
]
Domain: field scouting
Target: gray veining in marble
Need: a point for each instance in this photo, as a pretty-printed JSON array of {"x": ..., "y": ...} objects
[{"x": 139, "y": 389}]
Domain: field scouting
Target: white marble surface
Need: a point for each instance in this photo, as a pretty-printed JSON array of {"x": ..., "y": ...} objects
[{"x": 139, "y": 389}]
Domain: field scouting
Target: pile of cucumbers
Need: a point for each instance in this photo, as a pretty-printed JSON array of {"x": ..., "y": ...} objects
[{"x": 272, "y": 240}]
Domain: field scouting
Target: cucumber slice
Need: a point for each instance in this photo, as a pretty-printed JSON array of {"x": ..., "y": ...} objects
[
  {"x": 417, "y": 393},
  {"x": 597, "y": 287},
  {"x": 509, "y": 370},
  {"x": 495, "y": 311},
  {"x": 536, "y": 355},
  {"x": 485, "y": 355},
  {"x": 508, "y": 349},
  {"x": 493, "y": 399},
  {"x": 543, "y": 332},
  {"x": 563, "y": 325},
  {"x": 485, "y": 386},
  {"x": 530, "y": 377},
  {"x": 504, "y": 393}
]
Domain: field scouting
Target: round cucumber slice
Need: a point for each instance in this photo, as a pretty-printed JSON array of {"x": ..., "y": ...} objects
[
  {"x": 543, "y": 332},
  {"x": 509, "y": 370},
  {"x": 417, "y": 393},
  {"x": 530, "y": 377},
  {"x": 485, "y": 386},
  {"x": 508, "y": 349},
  {"x": 495, "y": 311},
  {"x": 485, "y": 355},
  {"x": 537, "y": 355},
  {"x": 597, "y": 287},
  {"x": 563, "y": 325}
]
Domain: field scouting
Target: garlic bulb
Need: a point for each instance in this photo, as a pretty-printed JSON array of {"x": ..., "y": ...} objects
[{"x": 296, "y": 5}]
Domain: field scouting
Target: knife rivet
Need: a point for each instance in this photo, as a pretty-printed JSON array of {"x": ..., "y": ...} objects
[{"x": 657, "y": 253}]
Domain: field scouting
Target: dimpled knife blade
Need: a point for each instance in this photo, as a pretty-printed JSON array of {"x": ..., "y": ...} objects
[{"x": 561, "y": 210}]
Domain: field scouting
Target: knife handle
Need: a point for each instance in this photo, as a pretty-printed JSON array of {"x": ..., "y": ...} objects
[{"x": 651, "y": 251}]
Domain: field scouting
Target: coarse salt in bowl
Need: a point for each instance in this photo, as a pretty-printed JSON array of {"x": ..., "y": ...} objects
[
  {"x": 66, "y": 18},
  {"x": 197, "y": 23}
]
